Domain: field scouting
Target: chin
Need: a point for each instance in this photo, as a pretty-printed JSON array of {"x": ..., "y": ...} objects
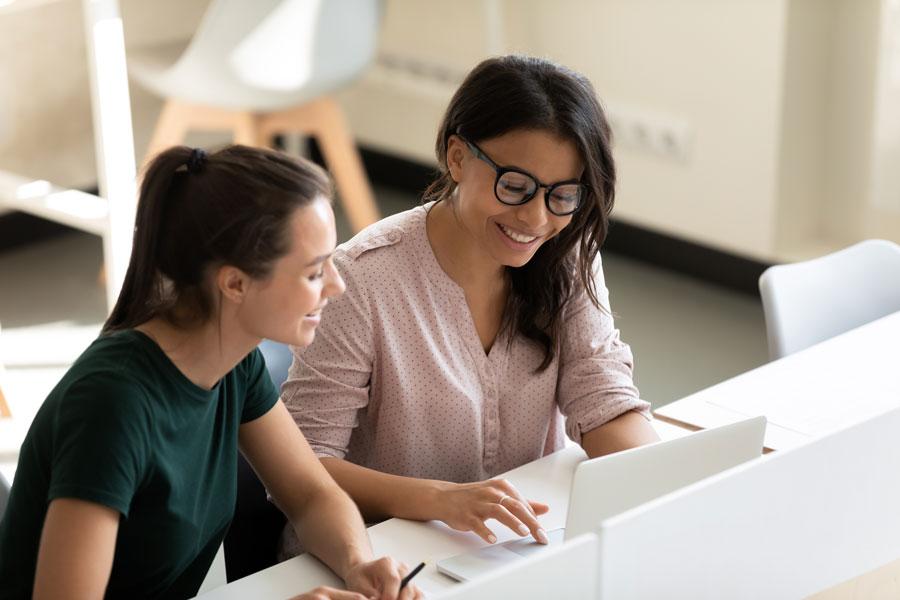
[
  {"x": 515, "y": 262},
  {"x": 302, "y": 341},
  {"x": 301, "y": 338},
  {"x": 305, "y": 337}
]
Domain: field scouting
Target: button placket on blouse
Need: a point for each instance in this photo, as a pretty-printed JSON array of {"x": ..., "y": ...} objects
[
  {"x": 486, "y": 378},
  {"x": 492, "y": 367},
  {"x": 455, "y": 298},
  {"x": 485, "y": 383}
]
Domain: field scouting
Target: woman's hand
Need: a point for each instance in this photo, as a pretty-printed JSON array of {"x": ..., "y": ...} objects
[
  {"x": 381, "y": 579},
  {"x": 327, "y": 593},
  {"x": 466, "y": 506}
]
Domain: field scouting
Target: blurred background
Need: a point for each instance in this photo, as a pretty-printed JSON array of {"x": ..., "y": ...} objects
[{"x": 748, "y": 133}]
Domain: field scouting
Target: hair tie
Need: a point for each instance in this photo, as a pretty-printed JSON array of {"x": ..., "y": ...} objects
[{"x": 197, "y": 161}]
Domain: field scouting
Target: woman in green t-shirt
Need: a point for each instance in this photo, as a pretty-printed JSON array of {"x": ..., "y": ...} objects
[{"x": 126, "y": 481}]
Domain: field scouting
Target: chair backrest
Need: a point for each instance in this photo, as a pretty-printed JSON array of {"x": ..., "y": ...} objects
[
  {"x": 285, "y": 47},
  {"x": 808, "y": 302},
  {"x": 278, "y": 360}
]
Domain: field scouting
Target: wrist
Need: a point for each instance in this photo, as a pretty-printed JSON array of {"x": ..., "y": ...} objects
[
  {"x": 354, "y": 557},
  {"x": 431, "y": 500},
  {"x": 417, "y": 499}
]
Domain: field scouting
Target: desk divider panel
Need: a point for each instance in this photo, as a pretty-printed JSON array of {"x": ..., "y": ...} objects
[
  {"x": 786, "y": 525},
  {"x": 565, "y": 572}
]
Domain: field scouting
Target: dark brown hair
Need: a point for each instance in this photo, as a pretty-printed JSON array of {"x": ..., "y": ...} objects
[
  {"x": 198, "y": 212},
  {"x": 520, "y": 92}
]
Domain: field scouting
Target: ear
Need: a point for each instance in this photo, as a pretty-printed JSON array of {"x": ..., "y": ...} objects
[
  {"x": 456, "y": 152},
  {"x": 232, "y": 283}
]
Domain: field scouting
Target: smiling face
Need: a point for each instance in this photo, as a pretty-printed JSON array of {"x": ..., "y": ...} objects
[
  {"x": 510, "y": 235},
  {"x": 286, "y": 306}
]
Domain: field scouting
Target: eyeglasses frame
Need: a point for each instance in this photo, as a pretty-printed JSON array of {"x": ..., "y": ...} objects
[{"x": 500, "y": 171}]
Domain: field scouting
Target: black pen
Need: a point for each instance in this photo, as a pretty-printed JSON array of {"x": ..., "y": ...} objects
[{"x": 411, "y": 574}]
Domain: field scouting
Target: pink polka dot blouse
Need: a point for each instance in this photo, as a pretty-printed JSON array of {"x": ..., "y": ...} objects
[{"x": 397, "y": 379}]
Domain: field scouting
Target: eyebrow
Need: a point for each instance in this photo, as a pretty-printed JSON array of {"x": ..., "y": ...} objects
[{"x": 319, "y": 259}]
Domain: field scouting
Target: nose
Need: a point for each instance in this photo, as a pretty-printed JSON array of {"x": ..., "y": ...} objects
[
  {"x": 534, "y": 214},
  {"x": 334, "y": 283}
]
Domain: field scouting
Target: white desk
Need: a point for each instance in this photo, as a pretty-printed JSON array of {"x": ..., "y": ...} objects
[
  {"x": 547, "y": 480},
  {"x": 841, "y": 381}
]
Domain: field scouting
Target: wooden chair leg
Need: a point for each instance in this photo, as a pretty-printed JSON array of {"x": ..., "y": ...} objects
[
  {"x": 171, "y": 128},
  {"x": 345, "y": 163},
  {"x": 247, "y": 130},
  {"x": 4, "y": 407},
  {"x": 324, "y": 119},
  {"x": 178, "y": 118}
]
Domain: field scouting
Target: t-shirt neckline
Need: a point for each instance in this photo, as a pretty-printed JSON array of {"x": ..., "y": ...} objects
[{"x": 174, "y": 372}]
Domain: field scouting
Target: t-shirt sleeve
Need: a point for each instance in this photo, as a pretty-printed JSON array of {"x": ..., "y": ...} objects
[
  {"x": 261, "y": 393},
  {"x": 101, "y": 442},
  {"x": 595, "y": 383}
]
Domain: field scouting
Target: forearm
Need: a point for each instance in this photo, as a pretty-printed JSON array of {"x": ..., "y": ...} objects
[
  {"x": 329, "y": 527},
  {"x": 628, "y": 430},
  {"x": 381, "y": 495}
]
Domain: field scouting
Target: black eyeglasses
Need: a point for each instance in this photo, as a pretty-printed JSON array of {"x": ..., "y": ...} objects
[{"x": 514, "y": 186}]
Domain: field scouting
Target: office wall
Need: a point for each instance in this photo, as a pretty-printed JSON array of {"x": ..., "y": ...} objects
[
  {"x": 700, "y": 61},
  {"x": 787, "y": 112},
  {"x": 789, "y": 108}
]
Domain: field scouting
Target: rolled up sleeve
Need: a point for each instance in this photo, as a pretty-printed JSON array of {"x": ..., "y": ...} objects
[
  {"x": 595, "y": 382},
  {"x": 328, "y": 382}
]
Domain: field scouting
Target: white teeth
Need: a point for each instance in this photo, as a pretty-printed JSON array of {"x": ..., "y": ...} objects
[{"x": 517, "y": 237}]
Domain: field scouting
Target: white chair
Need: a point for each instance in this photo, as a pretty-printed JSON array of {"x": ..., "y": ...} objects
[
  {"x": 266, "y": 67},
  {"x": 808, "y": 302}
]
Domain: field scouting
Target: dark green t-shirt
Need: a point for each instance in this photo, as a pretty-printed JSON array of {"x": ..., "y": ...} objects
[{"x": 126, "y": 429}]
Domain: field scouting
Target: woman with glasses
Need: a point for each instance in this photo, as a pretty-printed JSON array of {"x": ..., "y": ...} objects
[{"x": 475, "y": 329}]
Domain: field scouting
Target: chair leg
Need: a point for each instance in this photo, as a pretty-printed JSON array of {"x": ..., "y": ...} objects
[
  {"x": 344, "y": 161},
  {"x": 171, "y": 128},
  {"x": 178, "y": 118},
  {"x": 324, "y": 119},
  {"x": 4, "y": 407},
  {"x": 247, "y": 131}
]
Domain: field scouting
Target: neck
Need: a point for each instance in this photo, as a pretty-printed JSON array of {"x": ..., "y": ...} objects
[
  {"x": 457, "y": 253},
  {"x": 204, "y": 354}
]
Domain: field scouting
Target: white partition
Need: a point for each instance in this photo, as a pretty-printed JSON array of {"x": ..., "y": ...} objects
[
  {"x": 786, "y": 525},
  {"x": 567, "y": 572}
]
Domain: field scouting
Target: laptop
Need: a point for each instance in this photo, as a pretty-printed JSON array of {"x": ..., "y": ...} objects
[
  {"x": 609, "y": 485},
  {"x": 564, "y": 572}
]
